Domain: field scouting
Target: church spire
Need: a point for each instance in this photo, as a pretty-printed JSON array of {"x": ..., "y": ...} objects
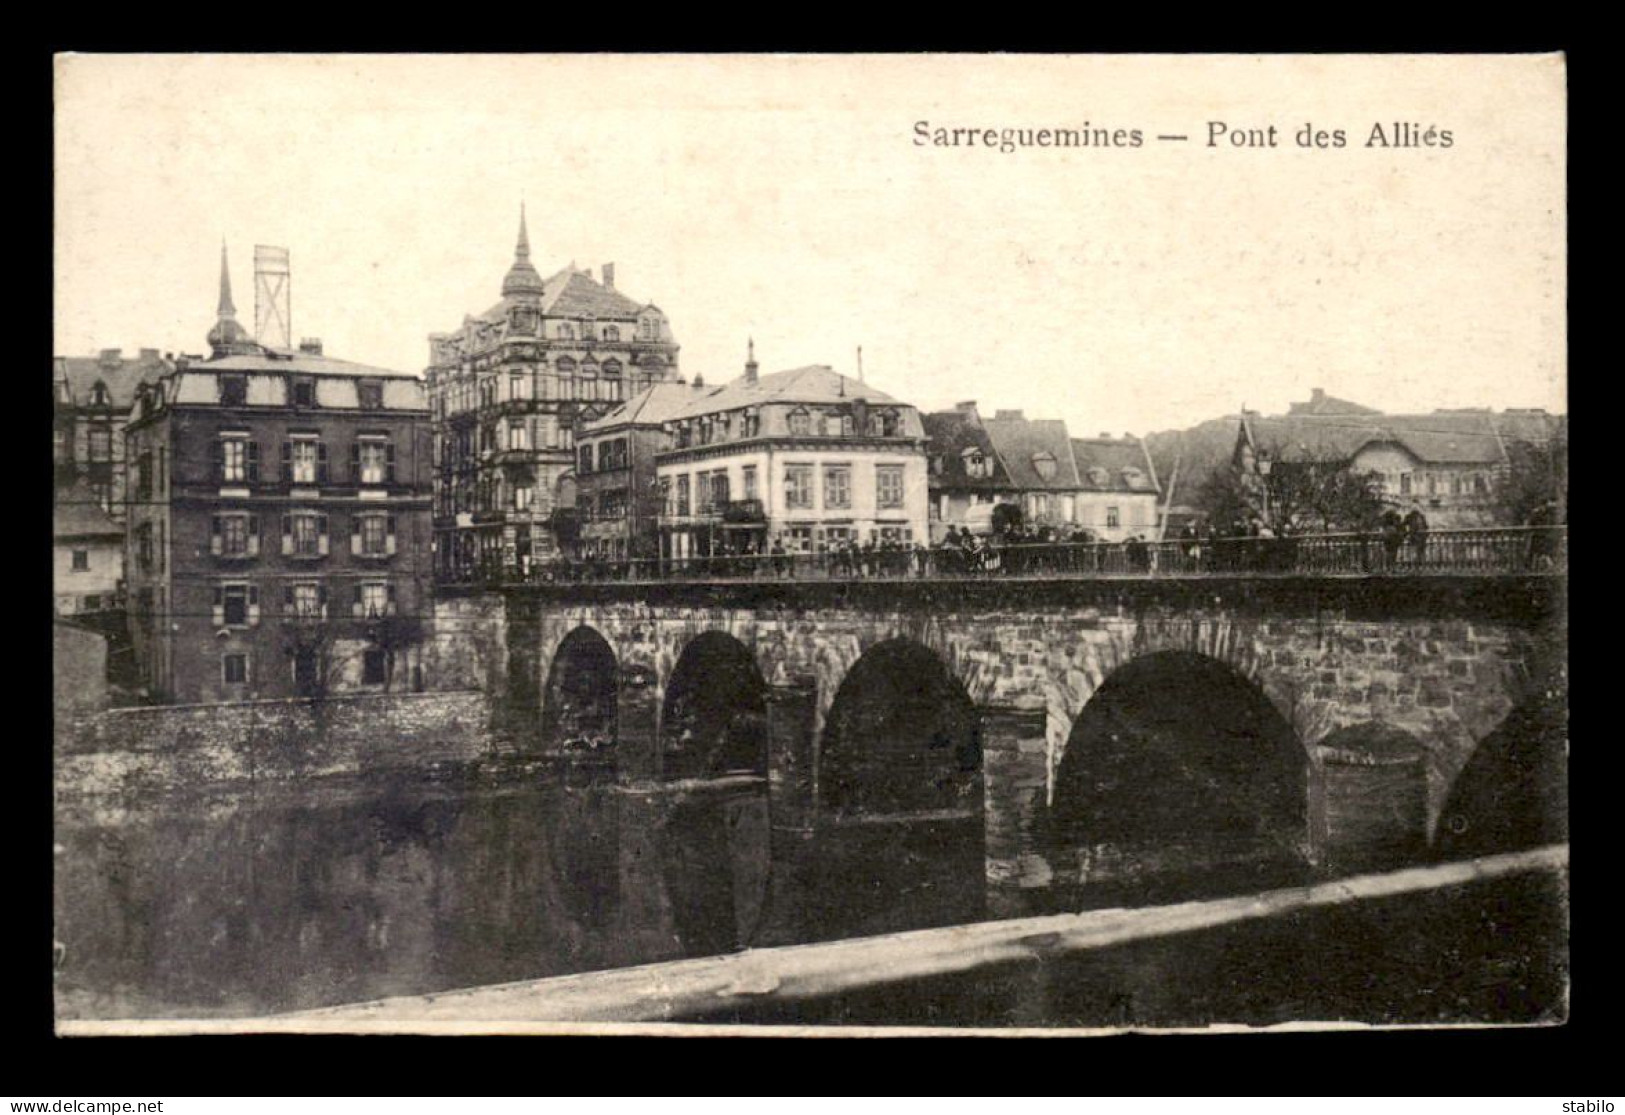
[
  {"x": 522, "y": 280},
  {"x": 227, "y": 310},
  {"x": 227, "y": 336}
]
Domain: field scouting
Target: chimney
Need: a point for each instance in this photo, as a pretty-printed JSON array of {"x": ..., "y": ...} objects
[
  {"x": 609, "y": 275},
  {"x": 699, "y": 382},
  {"x": 1317, "y": 396},
  {"x": 311, "y": 345},
  {"x": 149, "y": 354},
  {"x": 966, "y": 408},
  {"x": 110, "y": 356},
  {"x": 751, "y": 367},
  {"x": 1013, "y": 415},
  {"x": 1105, "y": 435}
]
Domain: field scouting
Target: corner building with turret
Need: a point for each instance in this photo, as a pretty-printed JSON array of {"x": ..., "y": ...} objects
[{"x": 507, "y": 391}]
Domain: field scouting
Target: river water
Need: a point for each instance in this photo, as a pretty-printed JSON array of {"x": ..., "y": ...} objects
[{"x": 251, "y": 901}]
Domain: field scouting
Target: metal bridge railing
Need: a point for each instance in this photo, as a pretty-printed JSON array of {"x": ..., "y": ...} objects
[{"x": 1498, "y": 550}]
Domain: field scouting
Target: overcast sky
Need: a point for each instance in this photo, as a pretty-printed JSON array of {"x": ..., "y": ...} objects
[{"x": 1122, "y": 289}]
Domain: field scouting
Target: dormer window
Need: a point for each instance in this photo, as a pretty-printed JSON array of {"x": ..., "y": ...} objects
[
  {"x": 302, "y": 391},
  {"x": 752, "y": 425},
  {"x": 566, "y": 331},
  {"x": 370, "y": 394},
  {"x": 800, "y": 422},
  {"x": 99, "y": 396},
  {"x": 1098, "y": 476},
  {"x": 612, "y": 333},
  {"x": 975, "y": 464},
  {"x": 886, "y": 421},
  {"x": 649, "y": 329},
  {"x": 1044, "y": 465},
  {"x": 1132, "y": 476},
  {"x": 233, "y": 391}
]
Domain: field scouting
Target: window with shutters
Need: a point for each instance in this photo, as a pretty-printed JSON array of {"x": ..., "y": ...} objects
[
  {"x": 373, "y": 535},
  {"x": 236, "y": 605},
  {"x": 304, "y": 534},
  {"x": 837, "y": 487},
  {"x": 889, "y": 486},
  {"x": 372, "y": 459},
  {"x": 374, "y": 599},
  {"x": 304, "y": 460},
  {"x": 236, "y": 535},
  {"x": 798, "y": 486},
  {"x": 305, "y": 600},
  {"x": 236, "y": 459}
]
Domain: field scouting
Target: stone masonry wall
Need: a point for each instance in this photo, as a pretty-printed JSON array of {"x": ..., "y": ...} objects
[{"x": 130, "y": 758}]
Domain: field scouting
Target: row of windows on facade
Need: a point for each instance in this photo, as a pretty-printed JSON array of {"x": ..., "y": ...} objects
[
  {"x": 234, "y": 667},
  {"x": 1434, "y": 484},
  {"x": 301, "y": 391},
  {"x": 801, "y": 422},
  {"x": 304, "y": 534},
  {"x": 571, "y": 381},
  {"x": 488, "y": 493},
  {"x": 608, "y": 455},
  {"x": 711, "y": 489},
  {"x": 235, "y": 458},
  {"x": 237, "y": 603},
  {"x": 463, "y": 447}
]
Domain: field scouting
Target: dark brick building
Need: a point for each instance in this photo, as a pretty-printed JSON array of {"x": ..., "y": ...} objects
[{"x": 278, "y": 540}]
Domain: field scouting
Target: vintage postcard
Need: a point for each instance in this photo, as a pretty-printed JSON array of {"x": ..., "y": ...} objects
[{"x": 847, "y": 543}]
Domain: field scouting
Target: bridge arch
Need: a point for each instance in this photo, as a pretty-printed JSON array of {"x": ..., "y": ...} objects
[
  {"x": 714, "y": 845},
  {"x": 1513, "y": 792},
  {"x": 900, "y": 794},
  {"x": 714, "y": 715},
  {"x": 579, "y": 701},
  {"x": 1179, "y": 778}
]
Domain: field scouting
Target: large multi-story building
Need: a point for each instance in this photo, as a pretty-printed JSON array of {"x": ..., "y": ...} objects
[
  {"x": 508, "y": 391},
  {"x": 278, "y": 537},
  {"x": 1445, "y": 465},
  {"x": 807, "y": 458},
  {"x": 618, "y": 495},
  {"x": 93, "y": 396}
]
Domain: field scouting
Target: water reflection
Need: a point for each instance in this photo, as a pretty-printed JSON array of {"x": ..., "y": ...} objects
[{"x": 264, "y": 901}]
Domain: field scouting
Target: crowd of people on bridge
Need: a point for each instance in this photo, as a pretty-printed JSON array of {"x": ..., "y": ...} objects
[{"x": 1396, "y": 543}]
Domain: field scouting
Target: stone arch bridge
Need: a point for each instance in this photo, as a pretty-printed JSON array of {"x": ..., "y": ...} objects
[{"x": 1068, "y": 742}]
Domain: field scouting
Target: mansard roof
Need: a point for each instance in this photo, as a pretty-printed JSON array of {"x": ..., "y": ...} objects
[
  {"x": 570, "y": 293},
  {"x": 815, "y": 384},
  {"x": 121, "y": 375}
]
